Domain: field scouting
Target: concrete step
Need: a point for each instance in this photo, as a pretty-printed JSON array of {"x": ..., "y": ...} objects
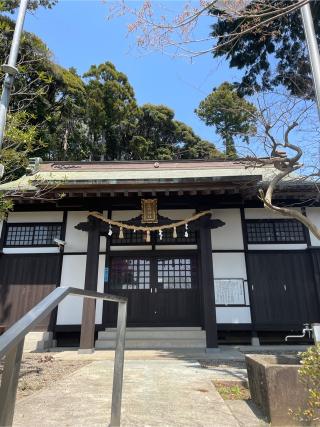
[
  {"x": 169, "y": 334},
  {"x": 160, "y": 328},
  {"x": 152, "y": 344},
  {"x": 155, "y": 338}
]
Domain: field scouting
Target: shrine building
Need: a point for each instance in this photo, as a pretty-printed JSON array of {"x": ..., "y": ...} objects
[{"x": 189, "y": 243}]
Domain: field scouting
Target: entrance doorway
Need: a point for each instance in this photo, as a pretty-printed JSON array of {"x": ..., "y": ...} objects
[{"x": 161, "y": 289}]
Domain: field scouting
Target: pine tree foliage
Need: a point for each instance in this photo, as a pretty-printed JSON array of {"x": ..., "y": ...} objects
[
  {"x": 271, "y": 55},
  {"x": 94, "y": 116},
  {"x": 231, "y": 115}
]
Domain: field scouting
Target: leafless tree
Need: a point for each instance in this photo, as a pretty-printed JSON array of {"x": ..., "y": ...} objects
[
  {"x": 159, "y": 26},
  {"x": 286, "y": 144}
]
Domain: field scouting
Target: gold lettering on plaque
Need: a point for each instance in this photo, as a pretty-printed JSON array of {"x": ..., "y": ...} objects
[{"x": 149, "y": 211}]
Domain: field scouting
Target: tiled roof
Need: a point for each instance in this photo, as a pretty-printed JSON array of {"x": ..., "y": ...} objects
[
  {"x": 115, "y": 173},
  {"x": 91, "y": 174}
]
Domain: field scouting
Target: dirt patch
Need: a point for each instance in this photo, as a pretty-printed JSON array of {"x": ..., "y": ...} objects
[
  {"x": 41, "y": 370},
  {"x": 232, "y": 391}
]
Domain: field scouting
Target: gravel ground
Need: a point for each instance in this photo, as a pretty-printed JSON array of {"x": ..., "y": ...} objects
[{"x": 41, "y": 370}]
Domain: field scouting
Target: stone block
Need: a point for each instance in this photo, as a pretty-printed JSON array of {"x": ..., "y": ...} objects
[{"x": 275, "y": 387}]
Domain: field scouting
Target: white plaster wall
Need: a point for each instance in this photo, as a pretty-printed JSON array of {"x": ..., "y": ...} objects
[
  {"x": 73, "y": 274},
  {"x": 175, "y": 247},
  {"x": 261, "y": 213},
  {"x": 31, "y": 250},
  {"x": 48, "y": 216},
  {"x": 233, "y": 315},
  {"x": 278, "y": 246},
  {"x": 76, "y": 240},
  {"x": 100, "y": 288},
  {"x": 314, "y": 215},
  {"x": 131, "y": 248},
  {"x": 230, "y": 235},
  {"x": 229, "y": 266}
]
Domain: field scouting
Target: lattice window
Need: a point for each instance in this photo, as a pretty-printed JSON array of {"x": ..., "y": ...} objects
[
  {"x": 129, "y": 273},
  {"x": 167, "y": 237},
  {"x": 32, "y": 234},
  {"x": 176, "y": 273},
  {"x": 275, "y": 231},
  {"x": 131, "y": 238}
]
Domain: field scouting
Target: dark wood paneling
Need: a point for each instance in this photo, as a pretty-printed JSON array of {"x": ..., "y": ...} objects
[
  {"x": 207, "y": 287},
  {"x": 284, "y": 288},
  {"x": 91, "y": 281},
  {"x": 156, "y": 305},
  {"x": 25, "y": 279}
]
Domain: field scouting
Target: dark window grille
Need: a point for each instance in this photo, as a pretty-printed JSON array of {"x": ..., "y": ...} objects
[
  {"x": 131, "y": 238},
  {"x": 129, "y": 273},
  {"x": 275, "y": 231},
  {"x": 167, "y": 237},
  {"x": 32, "y": 234},
  {"x": 177, "y": 273}
]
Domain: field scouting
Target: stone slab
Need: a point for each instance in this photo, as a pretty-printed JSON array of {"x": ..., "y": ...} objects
[
  {"x": 175, "y": 393},
  {"x": 247, "y": 413}
]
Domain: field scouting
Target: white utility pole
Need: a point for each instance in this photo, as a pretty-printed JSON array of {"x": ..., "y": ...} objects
[
  {"x": 313, "y": 49},
  {"x": 10, "y": 68}
]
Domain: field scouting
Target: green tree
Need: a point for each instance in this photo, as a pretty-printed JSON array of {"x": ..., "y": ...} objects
[
  {"x": 271, "y": 55},
  {"x": 53, "y": 96},
  {"x": 111, "y": 111},
  {"x": 11, "y": 5},
  {"x": 231, "y": 115},
  {"x": 65, "y": 129},
  {"x": 164, "y": 138}
]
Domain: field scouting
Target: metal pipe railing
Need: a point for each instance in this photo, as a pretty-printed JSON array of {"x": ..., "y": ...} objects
[{"x": 12, "y": 341}]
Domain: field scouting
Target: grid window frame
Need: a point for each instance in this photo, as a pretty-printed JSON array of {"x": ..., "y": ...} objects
[
  {"x": 138, "y": 238},
  {"x": 274, "y": 231},
  {"x": 133, "y": 268},
  {"x": 176, "y": 273},
  {"x": 40, "y": 234}
]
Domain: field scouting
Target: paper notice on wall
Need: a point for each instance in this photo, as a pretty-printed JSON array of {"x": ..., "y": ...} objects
[{"x": 229, "y": 292}]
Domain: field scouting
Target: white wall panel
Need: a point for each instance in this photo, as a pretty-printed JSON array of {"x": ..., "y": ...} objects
[
  {"x": 131, "y": 248},
  {"x": 31, "y": 250},
  {"x": 73, "y": 274},
  {"x": 76, "y": 240},
  {"x": 277, "y": 246},
  {"x": 100, "y": 288},
  {"x": 47, "y": 216},
  {"x": 175, "y": 247},
  {"x": 314, "y": 215},
  {"x": 230, "y": 235},
  {"x": 229, "y": 266},
  {"x": 233, "y": 315},
  {"x": 261, "y": 213}
]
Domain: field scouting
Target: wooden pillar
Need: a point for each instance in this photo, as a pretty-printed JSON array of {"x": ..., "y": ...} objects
[
  {"x": 210, "y": 322},
  {"x": 91, "y": 280}
]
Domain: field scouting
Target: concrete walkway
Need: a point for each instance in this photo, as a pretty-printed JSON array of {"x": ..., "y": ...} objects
[
  {"x": 166, "y": 388},
  {"x": 156, "y": 393}
]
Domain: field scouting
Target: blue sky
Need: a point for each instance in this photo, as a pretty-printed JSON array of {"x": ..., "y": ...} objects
[{"x": 79, "y": 34}]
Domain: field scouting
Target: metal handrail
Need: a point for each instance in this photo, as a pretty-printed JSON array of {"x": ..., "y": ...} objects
[{"x": 12, "y": 341}]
